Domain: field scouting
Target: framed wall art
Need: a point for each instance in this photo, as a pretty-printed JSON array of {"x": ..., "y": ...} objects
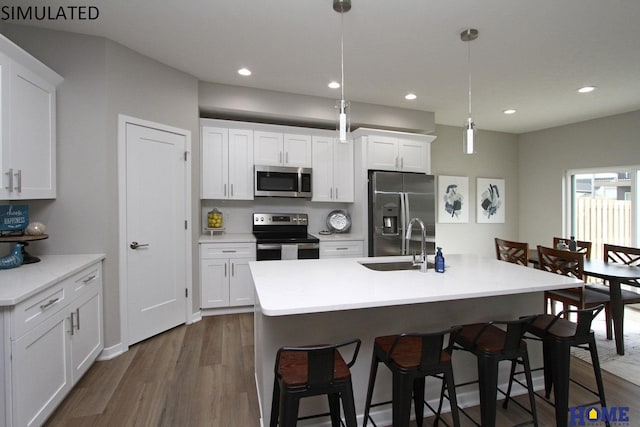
[
  {"x": 453, "y": 199},
  {"x": 490, "y": 200}
]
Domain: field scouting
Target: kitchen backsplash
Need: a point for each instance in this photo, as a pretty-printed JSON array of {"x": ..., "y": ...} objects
[{"x": 238, "y": 214}]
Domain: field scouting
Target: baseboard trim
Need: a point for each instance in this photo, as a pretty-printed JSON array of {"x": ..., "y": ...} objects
[{"x": 109, "y": 353}]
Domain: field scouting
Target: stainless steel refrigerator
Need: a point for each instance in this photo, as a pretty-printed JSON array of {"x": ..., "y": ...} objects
[{"x": 394, "y": 199}]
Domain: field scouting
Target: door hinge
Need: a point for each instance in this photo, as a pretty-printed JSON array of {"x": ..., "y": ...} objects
[
  {"x": 186, "y": 226},
  {"x": 186, "y": 292}
]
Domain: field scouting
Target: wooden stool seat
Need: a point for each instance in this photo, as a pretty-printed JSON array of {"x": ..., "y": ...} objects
[
  {"x": 492, "y": 339},
  {"x": 408, "y": 351},
  {"x": 294, "y": 368}
]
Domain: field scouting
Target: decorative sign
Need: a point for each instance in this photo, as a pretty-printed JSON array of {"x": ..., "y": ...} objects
[{"x": 14, "y": 217}]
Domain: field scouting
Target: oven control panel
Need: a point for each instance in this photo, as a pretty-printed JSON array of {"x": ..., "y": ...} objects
[{"x": 280, "y": 219}]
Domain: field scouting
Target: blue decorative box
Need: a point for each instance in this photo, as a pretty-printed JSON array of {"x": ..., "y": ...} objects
[{"x": 14, "y": 217}]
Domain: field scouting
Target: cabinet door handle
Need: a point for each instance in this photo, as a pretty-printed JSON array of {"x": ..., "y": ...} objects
[
  {"x": 336, "y": 193},
  {"x": 331, "y": 193},
  {"x": 77, "y": 318},
  {"x": 233, "y": 269},
  {"x": 225, "y": 270},
  {"x": 231, "y": 190},
  {"x": 225, "y": 190},
  {"x": 280, "y": 158},
  {"x": 72, "y": 327},
  {"x": 401, "y": 162},
  {"x": 49, "y": 304},
  {"x": 19, "y": 186},
  {"x": 10, "y": 175},
  {"x": 89, "y": 279},
  {"x": 287, "y": 158},
  {"x": 396, "y": 164}
]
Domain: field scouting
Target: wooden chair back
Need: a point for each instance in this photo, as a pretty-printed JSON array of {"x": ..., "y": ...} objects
[
  {"x": 561, "y": 262},
  {"x": 623, "y": 255},
  {"x": 582, "y": 246},
  {"x": 514, "y": 252}
]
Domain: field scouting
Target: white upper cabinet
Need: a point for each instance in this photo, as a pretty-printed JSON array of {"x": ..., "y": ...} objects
[
  {"x": 282, "y": 149},
  {"x": 333, "y": 170},
  {"x": 397, "y": 151},
  {"x": 28, "y": 123},
  {"x": 227, "y": 163}
]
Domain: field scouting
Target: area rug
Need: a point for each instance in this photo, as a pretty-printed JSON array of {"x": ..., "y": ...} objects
[{"x": 627, "y": 366}]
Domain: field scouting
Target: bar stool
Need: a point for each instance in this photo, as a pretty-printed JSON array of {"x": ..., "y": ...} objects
[
  {"x": 558, "y": 335},
  {"x": 411, "y": 357},
  {"x": 491, "y": 345},
  {"x": 311, "y": 371}
]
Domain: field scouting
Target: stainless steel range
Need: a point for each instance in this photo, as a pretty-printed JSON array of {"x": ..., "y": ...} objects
[{"x": 284, "y": 236}]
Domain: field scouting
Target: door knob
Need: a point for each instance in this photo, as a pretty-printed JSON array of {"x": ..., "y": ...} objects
[{"x": 136, "y": 245}]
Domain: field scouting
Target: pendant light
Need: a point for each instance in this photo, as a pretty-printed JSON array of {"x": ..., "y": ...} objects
[
  {"x": 343, "y": 124},
  {"x": 469, "y": 137}
]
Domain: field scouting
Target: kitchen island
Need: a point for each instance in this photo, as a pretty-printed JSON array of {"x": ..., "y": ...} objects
[{"x": 331, "y": 300}]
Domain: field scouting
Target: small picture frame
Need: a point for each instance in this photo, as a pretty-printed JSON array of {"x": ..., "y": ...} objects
[
  {"x": 490, "y": 200},
  {"x": 453, "y": 199}
]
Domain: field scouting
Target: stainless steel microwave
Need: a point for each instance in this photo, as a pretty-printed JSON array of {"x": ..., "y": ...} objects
[{"x": 276, "y": 181}]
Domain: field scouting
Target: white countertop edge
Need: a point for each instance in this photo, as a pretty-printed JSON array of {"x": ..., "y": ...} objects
[
  {"x": 29, "y": 279},
  {"x": 227, "y": 238},
  {"x": 308, "y": 285}
]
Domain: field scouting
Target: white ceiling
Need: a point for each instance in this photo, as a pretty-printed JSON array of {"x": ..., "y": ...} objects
[{"x": 530, "y": 55}]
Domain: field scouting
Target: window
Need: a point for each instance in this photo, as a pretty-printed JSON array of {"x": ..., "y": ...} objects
[{"x": 603, "y": 207}]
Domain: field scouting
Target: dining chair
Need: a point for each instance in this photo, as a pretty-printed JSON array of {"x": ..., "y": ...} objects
[
  {"x": 620, "y": 255},
  {"x": 510, "y": 251},
  {"x": 582, "y": 246},
  {"x": 570, "y": 264}
]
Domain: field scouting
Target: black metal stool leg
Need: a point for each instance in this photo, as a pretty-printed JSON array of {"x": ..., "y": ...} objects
[
  {"x": 561, "y": 360},
  {"x": 289, "y": 410},
  {"x": 372, "y": 380},
  {"x": 488, "y": 387},
  {"x": 401, "y": 400},
  {"x": 275, "y": 405},
  {"x": 595, "y": 362},
  {"x": 511, "y": 375},
  {"x": 532, "y": 398},
  {"x": 418, "y": 399},
  {"x": 334, "y": 409},
  {"x": 349, "y": 405},
  {"x": 453, "y": 401}
]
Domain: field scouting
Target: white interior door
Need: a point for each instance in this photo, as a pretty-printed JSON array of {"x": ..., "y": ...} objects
[{"x": 155, "y": 231}]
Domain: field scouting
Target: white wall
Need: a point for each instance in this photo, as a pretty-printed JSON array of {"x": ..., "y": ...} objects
[
  {"x": 496, "y": 157},
  {"x": 102, "y": 79},
  {"x": 545, "y": 156}
]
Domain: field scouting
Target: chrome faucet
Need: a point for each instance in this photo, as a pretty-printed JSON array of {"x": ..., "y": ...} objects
[{"x": 422, "y": 262}]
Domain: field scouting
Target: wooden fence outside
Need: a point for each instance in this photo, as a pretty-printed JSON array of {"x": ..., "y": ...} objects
[{"x": 601, "y": 221}]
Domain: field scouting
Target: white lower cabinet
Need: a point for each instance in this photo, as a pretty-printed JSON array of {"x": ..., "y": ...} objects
[
  {"x": 342, "y": 249},
  {"x": 225, "y": 279},
  {"x": 55, "y": 337}
]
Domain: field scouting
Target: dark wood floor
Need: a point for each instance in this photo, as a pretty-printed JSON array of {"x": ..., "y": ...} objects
[{"x": 202, "y": 375}]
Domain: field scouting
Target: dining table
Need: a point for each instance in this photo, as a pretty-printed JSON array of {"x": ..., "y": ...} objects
[{"x": 616, "y": 274}]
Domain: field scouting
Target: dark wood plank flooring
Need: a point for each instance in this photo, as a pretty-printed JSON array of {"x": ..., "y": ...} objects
[{"x": 202, "y": 375}]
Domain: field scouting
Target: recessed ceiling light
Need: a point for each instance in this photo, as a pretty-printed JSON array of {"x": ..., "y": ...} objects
[
  {"x": 509, "y": 111},
  {"x": 410, "y": 96},
  {"x": 244, "y": 72},
  {"x": 334, "y": 85},
  {"x": 587, "y": 89}
]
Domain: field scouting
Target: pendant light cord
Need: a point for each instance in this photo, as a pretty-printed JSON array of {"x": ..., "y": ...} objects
[
  {"x": 342, "y": 53},
  {"x": 469, "y": 72}
]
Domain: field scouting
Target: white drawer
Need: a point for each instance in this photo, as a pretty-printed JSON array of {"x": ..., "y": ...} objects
[
  {"x": 87, "y": 279},
  {"x": 227, "y": 250},
  {"x": 347, "y": 248},
  {"x": 39, "y": 307}
]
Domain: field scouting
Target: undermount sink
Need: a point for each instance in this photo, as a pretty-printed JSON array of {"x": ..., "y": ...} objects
[{"x": 393, "y": 265}]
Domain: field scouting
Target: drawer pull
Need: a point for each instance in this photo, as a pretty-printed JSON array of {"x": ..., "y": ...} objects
[
  {"x": 342, "y": 249},
  {"x": 89, "y": 279},
  {"x": 49, "y": 304},
  {"x": 228, "y": 251}
]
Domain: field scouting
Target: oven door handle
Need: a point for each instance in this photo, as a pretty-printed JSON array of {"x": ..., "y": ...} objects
[{"x": 267, "y": 246}]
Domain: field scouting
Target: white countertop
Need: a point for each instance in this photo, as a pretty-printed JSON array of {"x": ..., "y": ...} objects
[
  {"x": 227, "y": 238},
  {"x": 312, "y": 286},
  {"x": 18, "y": 284}
]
